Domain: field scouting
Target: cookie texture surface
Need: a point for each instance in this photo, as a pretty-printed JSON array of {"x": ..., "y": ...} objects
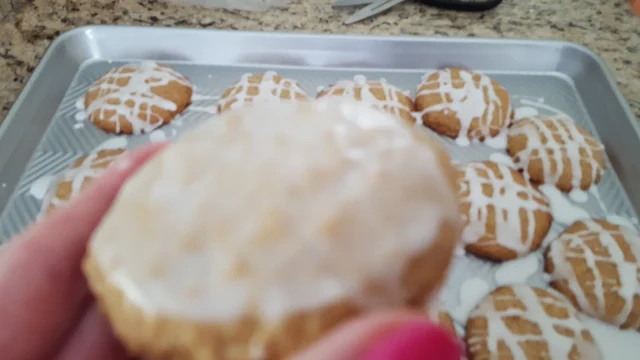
[
  {"x": 137, "y": 98},
  {"x": 504, "y": 216},
  {"x": 526, "y": 323},
  {"x": 464, "y": 105},
  {"x": 596, "y": 265},
  {"x": 378, "y": 93},
  {"x": 205, "y": 262},
  {"x": 556, "y": 151},
  {"x": 267, "y": 87},
  {"x": 79, "y": 176}
]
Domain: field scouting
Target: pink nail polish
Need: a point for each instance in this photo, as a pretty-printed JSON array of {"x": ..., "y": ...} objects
[{"x": 415, "y": 341}]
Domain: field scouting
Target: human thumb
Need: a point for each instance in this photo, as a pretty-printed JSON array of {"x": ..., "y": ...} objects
[{"x": 398, "y": 335}]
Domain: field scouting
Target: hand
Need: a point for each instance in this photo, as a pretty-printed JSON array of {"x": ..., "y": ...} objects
[{"x": 47, "y": 312}]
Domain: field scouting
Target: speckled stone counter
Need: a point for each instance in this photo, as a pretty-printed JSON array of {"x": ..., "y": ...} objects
[{"x": 606, "y": 26}]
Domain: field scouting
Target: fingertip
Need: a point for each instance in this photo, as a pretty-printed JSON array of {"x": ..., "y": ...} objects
[{"x": 419, "y": 340}]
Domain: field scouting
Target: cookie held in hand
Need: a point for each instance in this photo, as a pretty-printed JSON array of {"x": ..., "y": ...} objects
[{"x": 261, "y": 230}]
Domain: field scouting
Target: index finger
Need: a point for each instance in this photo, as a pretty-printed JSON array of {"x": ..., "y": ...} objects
[{"x": 42, "y": 286}]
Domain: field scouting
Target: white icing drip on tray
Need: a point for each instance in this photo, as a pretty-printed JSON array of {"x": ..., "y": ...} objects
[
  {"x": 470, "y": 100},
  {"x": 199, "y": 97},
  {"x": 507, "y": 203},
  {"x": 134, "y": 103},
  {"x": 471, "y": 292},
  {"x": 614, "y": 343},
  {"x": 559, "y": 345},
  {"x": 40, "y": 187},
  {"x": 517, "y": 271},
  {"x": 117, "y": 142},
  {"x": 390, "y": 103},
  {"x": 579, "y": 196},
  {"x": 541, "y": 105},
  {"x": 205, "y": 109},
  {"x": 631, "y": 224},
  {"x": 556, "y": 147},
  {"x": 268, "y": 90},
  {"x": 312, "y": 214},
  {"x": 157, "y": 136},
  {"x": 502, "y": 158},
  {"x": 574, "y": 245},
  {"x": 524, "y": 112},
  {"x": 562, "y": 210}
]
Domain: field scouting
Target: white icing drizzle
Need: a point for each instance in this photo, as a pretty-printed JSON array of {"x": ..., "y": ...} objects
[
  {"x": 268, "y": 90},
  {"x": 40, "y": 187},
  {"x": 90, "y": 168},
  {"x": 564, "y": 144},
  {"x": 517, "y": 271},
  {"x": 142, "y": 78},
  {"x": 559, "y": 345},
  {"x": 506, "y": 203},
  {"x": 469, "y": 100},
  {"x": 598, "y": 246},
  {"x": 78, "y": 126},
  {"x": 391, "y": 100},
  {"x": 562, "y": 210},
  {"x": 334, "y": 178}
]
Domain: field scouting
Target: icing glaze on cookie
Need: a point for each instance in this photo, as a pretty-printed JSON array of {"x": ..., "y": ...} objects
[
  {"x": 558, "y": 149},
  {"x": 520, "y": 320},
  {"x": 472, "y": 98},
  {"x": 598, "y": 264},
  {"x": 126, "y": 94},
  {"x": 378, "y": 93},
  {"x": 266, "y": 87},
  {"x": 500, "y": 207},
  {"x": 305, "y": 175}
]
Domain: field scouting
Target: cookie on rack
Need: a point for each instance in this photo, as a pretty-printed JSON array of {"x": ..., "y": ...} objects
[
  {"x": 378, "y": 93},
  {"x": 267, "y": 87},
  {"x": 596, "y": 265},
  {"x": 556, "y": 151},
  {"x": 137, "y": 98},
  {"x": 79, "y": 176},
  {"x": 505, "y": 216},
  {"x": 465, "y": 106},
  {"x": 525, "y": 323},
  {"x": 316, "y": 209}
]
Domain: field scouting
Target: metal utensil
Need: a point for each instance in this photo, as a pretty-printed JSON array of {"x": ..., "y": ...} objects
[
  {"x": 372, "y": 9},
  {"x": 376, "y": 7},
  {"x": 344, "y": 3}
]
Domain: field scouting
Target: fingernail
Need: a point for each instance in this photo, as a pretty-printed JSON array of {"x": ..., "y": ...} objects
[{"x": 424, "y": 341}]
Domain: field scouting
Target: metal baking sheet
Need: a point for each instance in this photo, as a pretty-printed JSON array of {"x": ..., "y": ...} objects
[{"x": 41, "y": 135}]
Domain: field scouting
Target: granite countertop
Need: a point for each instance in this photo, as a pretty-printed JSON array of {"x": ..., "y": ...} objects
[{"x": 606, "y": 26}]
